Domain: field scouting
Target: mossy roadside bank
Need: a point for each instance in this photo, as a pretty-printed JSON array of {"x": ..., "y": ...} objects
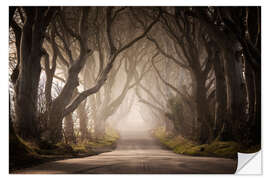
[
  {"x": 23, "y": 154},
  {"x": 180, "y": 145}
]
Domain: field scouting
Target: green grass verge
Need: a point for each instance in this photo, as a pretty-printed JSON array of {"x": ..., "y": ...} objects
[{"x": 181, "y": 145}]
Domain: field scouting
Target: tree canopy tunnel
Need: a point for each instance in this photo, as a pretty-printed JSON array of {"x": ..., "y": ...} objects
[{"x": 194, "y": 71}]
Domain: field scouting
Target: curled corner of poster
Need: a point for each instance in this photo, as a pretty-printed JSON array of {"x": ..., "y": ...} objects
[{"x": 249, "y": 163}]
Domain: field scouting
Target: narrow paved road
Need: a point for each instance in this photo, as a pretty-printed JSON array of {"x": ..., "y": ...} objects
[{"x": 136, "y": 153}]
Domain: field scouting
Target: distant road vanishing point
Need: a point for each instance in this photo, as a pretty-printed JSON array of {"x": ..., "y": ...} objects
[{"x": 136, "y": 153}]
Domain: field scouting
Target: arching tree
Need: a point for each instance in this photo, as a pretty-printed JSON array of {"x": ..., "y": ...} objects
[
  {"x": 64, "y": 104},
  {"x": 194, "y": 70}
]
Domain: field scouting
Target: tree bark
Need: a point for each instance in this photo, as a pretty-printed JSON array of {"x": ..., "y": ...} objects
[
  {"x": 202, "y": 107},
  {"x": 27, "y": 84},
  {"x": 69, "y": 129},
  {"x": 250, "y": 88},
  {"x": 256, "y": 126},
  {"x": 234, "y": 97},
  {"x": 81, "y": 111},
  {"x": 221, "y": 96}
]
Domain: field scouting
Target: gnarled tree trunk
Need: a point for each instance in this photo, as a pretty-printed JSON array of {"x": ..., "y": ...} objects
[
  {"x": 36, "y": 22},
  {"x": 202, "y": 107},
  {"x": 69, "y": 129},
  {"x": 221, "y": 96},
  {"x": 234, "y": 97},
  {"x": 81, "y": 111}
]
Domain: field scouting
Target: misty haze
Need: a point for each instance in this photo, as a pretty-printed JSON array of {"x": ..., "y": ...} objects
[{"x": 133, "y": 90}]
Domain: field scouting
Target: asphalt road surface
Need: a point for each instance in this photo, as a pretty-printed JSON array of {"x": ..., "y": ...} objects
[{"x": 136, "y": 153}]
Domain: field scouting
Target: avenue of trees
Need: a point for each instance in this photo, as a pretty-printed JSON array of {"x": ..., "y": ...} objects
[{"x": 194, "y": 70}]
